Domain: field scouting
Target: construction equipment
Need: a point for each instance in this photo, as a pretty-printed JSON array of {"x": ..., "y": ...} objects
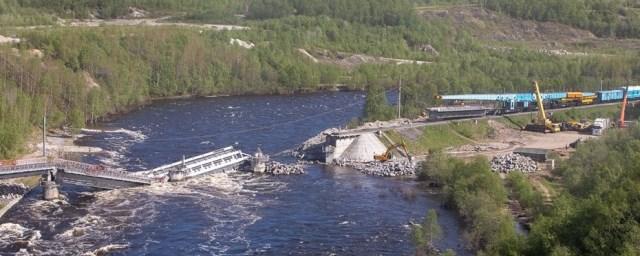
[
  {"x": 600, "y": 125},
  {"x": 542, "y": 124},
  {"x": 577, "y": 99},
  {"x": 387, "y": 155},
  {"x": 623, "y": 109},
  {"x": 581, "y": 126}
]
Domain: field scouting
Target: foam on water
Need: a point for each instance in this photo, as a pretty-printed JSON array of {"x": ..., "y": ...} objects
[{"x": 138, "y": 136}]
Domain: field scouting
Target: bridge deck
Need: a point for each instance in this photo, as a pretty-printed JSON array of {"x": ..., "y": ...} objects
[
  {"x": 74, "y": 172},
  {"x": 219, "y": 160},
  {"x": 100, "y": 177}
]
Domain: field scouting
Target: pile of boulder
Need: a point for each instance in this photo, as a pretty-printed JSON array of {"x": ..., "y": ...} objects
[
  {"x": 513, "y": 162},
  {"x": 12, "y": 190},
  {"x": 277, "y": 168},
  {"x": 386, "y": 169}
]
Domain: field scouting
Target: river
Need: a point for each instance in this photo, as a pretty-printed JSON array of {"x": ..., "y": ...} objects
[{"x": 327, "y": 211}]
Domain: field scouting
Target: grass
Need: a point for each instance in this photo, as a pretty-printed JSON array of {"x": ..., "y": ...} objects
[
  {"x": 472, "y": 130},
  {"x": 29, "y": 181},
  {"x": 571, "y": 114},
  {"x": 439, "y": 137}
]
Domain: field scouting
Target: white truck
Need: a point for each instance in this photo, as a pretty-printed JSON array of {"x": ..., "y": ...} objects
[{"x": 599, "y": 126}]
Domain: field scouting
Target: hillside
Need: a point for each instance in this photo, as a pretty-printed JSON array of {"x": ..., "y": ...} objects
[
  {"x": 84, "y": 74},
  {"x": 80, "y": 62},
  {"x": 497, "y": 29}
]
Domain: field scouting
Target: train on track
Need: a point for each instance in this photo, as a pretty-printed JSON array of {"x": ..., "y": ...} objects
[{"x": 506, "y": 103}]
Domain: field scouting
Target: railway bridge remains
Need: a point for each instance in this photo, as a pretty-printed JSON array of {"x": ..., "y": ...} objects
[{"x": 56, "y": 171}]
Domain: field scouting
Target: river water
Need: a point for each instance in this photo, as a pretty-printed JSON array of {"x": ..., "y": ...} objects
[{"x": 327, "y": 211}]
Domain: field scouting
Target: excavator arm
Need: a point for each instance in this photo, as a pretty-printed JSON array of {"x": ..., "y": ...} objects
[{"x": 387, "y": 155}]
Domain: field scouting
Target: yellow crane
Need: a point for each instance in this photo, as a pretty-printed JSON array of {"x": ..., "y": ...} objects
[{"x": 542, "y": 123}]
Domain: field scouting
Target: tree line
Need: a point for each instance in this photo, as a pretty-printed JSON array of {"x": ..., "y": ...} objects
[
  {"x": 607, "y": 18},
  {"x": 594, "y": 214}
]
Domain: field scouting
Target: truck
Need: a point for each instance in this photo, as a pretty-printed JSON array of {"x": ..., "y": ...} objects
[{"x": 600, "y": 125}]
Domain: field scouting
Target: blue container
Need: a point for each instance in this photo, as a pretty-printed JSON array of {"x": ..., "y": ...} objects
[
  {"x": 634, "y": 92},
  {"x": 610, "y": 95}
]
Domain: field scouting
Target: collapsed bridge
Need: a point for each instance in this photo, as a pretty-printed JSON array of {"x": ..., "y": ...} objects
[{"x": 56, "y": 171}]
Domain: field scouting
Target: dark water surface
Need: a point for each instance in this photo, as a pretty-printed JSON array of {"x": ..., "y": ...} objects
[{"x": 326, "y": 211}]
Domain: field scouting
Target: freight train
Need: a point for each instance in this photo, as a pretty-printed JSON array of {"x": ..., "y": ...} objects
[{"x": 524, "y": 102}]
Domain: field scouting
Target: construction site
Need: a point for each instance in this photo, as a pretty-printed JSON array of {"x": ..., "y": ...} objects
[{"x": 517, "y": 132}]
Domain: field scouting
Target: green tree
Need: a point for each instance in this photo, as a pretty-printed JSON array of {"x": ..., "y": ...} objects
[
  {"x": 424, "y": 235},
  {"x": 376, "y": 105}
]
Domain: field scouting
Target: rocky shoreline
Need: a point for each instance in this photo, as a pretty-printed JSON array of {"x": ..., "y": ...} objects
[
  {"x": 276, "y": 168},
  {"x": 12, "y": 191},
  {"x": 386, "y": 169}
]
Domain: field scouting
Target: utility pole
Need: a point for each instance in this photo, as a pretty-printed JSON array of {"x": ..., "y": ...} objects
[
  {"x": 601, "y": 84},
  {"x": 44, "y": 130},
  {"x": 400, "y": 100}
]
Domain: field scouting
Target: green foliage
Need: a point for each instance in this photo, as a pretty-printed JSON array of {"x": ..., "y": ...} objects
[
  {"x": 424, "y": 234},
  {"x": 435, "y": 138},
  {"x": 598, "y": 214},
  {"x": 479, "y": 197},
  {"x": 372, "y": 12},
  {"x": 525, "y": 193},
  {"x": 611, "y": 112},
  {"x": 194, "y": 9},
  {"x": 473, "y": 130},
  {"x": 617, "y": 18},
  {"x": 376, "y": 106}
]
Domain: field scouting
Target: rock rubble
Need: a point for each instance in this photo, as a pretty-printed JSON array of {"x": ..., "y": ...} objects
[
  {"x": 386, "y": 169},
  {"x": 513, "y": 162},
  {"x": 12, "y": 191},
  {"x": 277, "y": 168}
]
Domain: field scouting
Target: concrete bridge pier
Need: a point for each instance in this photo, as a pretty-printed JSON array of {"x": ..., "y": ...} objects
[{"x": 49, "y": 187}]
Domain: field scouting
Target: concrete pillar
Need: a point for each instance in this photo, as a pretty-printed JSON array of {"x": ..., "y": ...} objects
[
  {"x": 176, "y": 175},
  {"x": 50, "y": 190},
  {"x": 49, "y": 187}
]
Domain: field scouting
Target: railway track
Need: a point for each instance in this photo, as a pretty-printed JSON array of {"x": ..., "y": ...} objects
[{"x": 426, "y": 123}]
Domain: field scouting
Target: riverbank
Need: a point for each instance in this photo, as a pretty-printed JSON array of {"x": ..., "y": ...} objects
[
  {"x": 13, "y": 190},
  {"x": 349, "y": 213},
  {"x": 59, "y": 144}
]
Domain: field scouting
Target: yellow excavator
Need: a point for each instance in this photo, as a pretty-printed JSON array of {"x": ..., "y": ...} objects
[
  {"x": 542, "y": 123},
  {"x": 387, "y": 155}
]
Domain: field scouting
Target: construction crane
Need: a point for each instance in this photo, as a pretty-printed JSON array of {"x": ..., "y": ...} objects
[
  {"x": 621, "y": 122},
  {"x": 387, "y": 155},
  {"x": 542, "y": 124}
]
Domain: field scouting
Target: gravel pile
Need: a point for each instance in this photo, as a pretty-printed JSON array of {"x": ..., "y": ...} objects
[
  {"x": 386, "y": 169},
  {"x": 277, "y": 168},
  {"x": 513, "y": 162}
]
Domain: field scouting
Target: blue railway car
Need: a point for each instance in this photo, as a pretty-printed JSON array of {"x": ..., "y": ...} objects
[
  {"x": 610, "y": 95},
  {"x": 618, "y": 94},
  {"x": 634, "y": 92}
]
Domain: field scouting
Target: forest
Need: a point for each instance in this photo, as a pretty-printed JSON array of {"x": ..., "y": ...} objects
[
  {"x": 81, "y": 75},
  {"x": 595, "y": 214},
  {"x": 132, "y": 65},
  {"x": 606, "y": 18}
]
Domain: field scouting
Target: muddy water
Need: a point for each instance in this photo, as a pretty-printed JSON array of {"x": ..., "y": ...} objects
[{"x": 328, "y": 210}]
